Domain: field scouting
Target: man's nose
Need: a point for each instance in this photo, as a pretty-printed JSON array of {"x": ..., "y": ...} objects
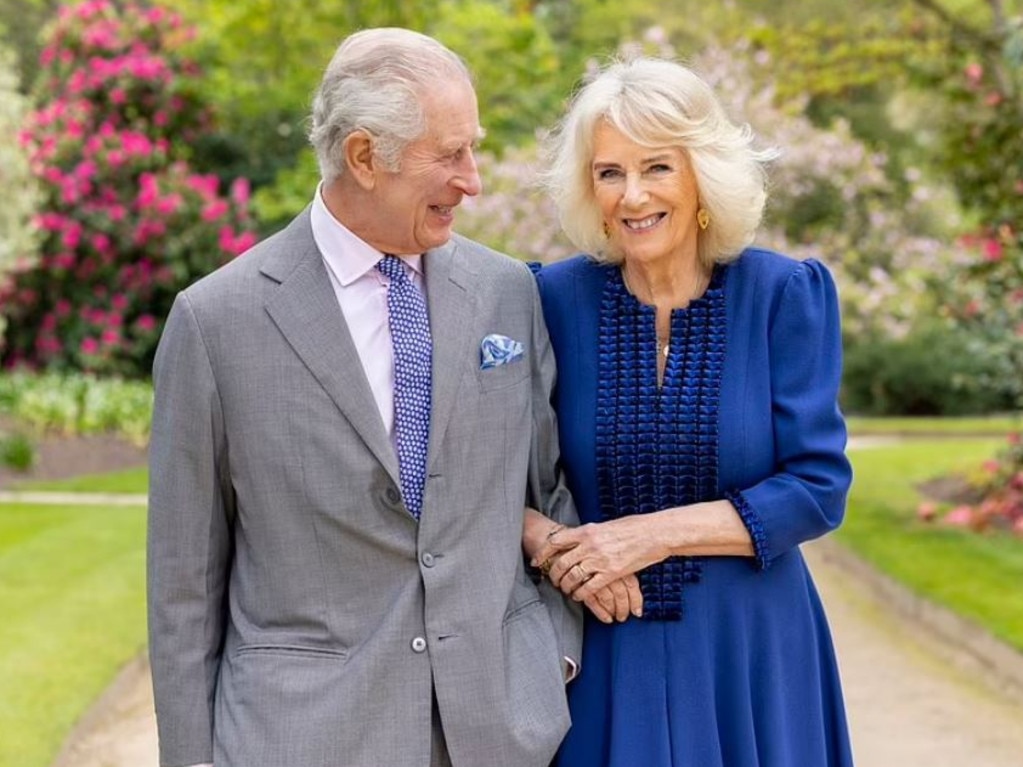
[{"x": 468, "y": 179}]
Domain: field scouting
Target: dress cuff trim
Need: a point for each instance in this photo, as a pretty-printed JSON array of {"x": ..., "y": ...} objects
[{"x": 754, "y": 525}]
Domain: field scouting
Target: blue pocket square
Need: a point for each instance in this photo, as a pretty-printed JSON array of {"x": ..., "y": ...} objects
[{"x": 499, "y": 350}]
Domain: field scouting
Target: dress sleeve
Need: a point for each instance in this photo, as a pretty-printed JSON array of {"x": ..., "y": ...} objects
[{"x": 805, "y": 497}]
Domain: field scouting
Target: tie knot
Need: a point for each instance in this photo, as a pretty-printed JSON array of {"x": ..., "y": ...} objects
[{"x": 392, "y": 267}]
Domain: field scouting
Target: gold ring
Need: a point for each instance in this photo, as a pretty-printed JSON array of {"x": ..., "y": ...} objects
[{"x": 545, "y": 567}]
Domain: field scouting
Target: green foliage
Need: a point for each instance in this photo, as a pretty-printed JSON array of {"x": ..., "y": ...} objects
[
  {"x": 504, "y": 48},
  {"x": 20, "y": 22},
  {"x": 17, "y": 451},
  {"x": 823, "y": 57},
  {"x": 125, "y": 222},
  {"x": 976, "y": 576},
  {"x": 934, "y": 370},
  {"x": 263, "y": 60},
  {"x": 78, "y": 404},
  {"x": 72, "y": 597},
  {"x": 589, "y": 31},
  {"x": 979, "y": 142},
  {"x": 293, "y": 188}
]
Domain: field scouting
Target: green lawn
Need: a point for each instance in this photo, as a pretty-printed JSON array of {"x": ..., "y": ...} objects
[
  {"x": 972, "y": 426},
  {"x": 127, "y": 481},
  {"x": 977, "y": 576},
  {"x": 72, "y": 612}
]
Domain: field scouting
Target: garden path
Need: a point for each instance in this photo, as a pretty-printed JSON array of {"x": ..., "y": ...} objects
[{"x": 913, "y": 701}]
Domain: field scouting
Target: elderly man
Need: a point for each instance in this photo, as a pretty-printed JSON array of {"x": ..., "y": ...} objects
[{"x": 349, "y": 421}]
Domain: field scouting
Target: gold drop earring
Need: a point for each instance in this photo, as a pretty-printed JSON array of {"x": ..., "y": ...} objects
[{"x": 702, "y": 218}]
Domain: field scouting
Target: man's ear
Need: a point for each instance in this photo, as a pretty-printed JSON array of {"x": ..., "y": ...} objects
[{"x": 359, "y": 158}]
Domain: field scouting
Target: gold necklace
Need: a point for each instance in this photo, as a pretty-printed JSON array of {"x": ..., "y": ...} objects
[{"x": 663, "y": 344}]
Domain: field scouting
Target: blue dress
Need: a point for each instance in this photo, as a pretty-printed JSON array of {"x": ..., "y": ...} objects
[{"x": 732, "y": 664}]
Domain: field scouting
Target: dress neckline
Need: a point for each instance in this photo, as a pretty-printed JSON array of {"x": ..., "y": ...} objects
[{"x": 716, "y": 282}]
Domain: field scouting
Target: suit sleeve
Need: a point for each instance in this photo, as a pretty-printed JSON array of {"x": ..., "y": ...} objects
[
  {"x": 547, "y": 490},
  {"x": 805, "y": 497},
  {"x": 188, "y": 540}
]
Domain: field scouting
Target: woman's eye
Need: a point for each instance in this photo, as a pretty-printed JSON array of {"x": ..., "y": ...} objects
[
  {"x": 660, "y": 168},
  {"x": 608, "y": 173}
]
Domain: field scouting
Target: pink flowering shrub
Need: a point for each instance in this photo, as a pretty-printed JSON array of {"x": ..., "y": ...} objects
[
  {"x": 983, "y": 146},
  {"x": 996, "y": 488},
  {"x": 125, "y": 222}
]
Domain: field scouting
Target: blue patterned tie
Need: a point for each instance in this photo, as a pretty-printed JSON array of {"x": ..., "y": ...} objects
[{"x": 413, "y": 352}]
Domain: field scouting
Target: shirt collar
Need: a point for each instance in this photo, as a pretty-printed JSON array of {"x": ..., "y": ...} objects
[{"x": 348, "y": 256}]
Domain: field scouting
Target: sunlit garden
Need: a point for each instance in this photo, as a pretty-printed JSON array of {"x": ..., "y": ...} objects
[{"x": 142, "y": 145}]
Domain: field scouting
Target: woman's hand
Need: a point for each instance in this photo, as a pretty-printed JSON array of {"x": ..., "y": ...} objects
[
  {"x": 615, "y": 601},
  {"x": 582, "y": 561}
]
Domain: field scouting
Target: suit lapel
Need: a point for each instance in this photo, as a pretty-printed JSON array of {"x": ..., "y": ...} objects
[
  {"x": 452, "y": 308},
  {"x": 305, "y": 310}
]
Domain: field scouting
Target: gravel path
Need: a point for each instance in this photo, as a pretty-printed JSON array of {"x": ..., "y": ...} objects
[
  {"x": 912, "y": 701},
  {"x": 910, "y": 704}
]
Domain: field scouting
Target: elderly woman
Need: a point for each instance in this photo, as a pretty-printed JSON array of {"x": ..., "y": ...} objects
[{"x": 697, "y": 387}]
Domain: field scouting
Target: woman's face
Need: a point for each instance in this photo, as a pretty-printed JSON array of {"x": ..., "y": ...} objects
[{"x": 647, "y": 196}]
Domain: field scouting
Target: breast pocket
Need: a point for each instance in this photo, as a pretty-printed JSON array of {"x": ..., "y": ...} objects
[{"x": 503, "y": 376}]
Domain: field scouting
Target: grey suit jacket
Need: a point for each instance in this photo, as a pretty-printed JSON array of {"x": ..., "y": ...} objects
[{"x": 298, "y": 615}]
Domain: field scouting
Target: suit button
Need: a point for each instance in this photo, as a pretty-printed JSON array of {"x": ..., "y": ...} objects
[
  {"x": 428, "y": 559},
  {"x": 418, "y": 644},
  {"x": 393, "y": 496}
]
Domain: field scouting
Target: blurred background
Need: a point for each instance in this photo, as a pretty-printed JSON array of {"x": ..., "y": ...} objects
[{"x": 144, "y": 144}]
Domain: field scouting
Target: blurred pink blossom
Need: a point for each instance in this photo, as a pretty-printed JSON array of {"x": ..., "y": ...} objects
[{"x": 960, "y": 516}]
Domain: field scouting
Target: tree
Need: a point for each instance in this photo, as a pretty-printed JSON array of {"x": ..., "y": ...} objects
[{"x": 125, "y": 223}]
